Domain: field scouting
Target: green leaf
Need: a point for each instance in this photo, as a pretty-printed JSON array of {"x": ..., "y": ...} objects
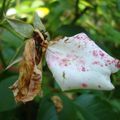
[
  {"x": 7, "y": 101},
  {"x": 16, "y": 58},
  {"x": 46, "y": 110},
  {"x": 3, "y": 8},
  {"x": 10, "y": 39},
  {"x": 14, "y": 62},
  {"x": 95, "y": 108},
  {"x": 69, "y": 111},
  {"x": 24, "y": 29},
  {"x": 85, "y": 3},
  {"x": 47, "y": 81},
  {"x": 8, "y": 115},
  {"x": 111, "y": 34},
  {"x": 37, "y": 23},
  {"x": 116, "y": 104}
]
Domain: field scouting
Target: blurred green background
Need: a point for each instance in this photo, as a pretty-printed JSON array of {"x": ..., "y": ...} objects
[{"x": 99, "y": 19}]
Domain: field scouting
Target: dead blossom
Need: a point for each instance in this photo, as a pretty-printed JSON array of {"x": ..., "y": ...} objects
[{"x": 28, "y": 84}]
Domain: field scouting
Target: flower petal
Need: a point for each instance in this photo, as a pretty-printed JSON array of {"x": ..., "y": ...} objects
[{"x": 77, "y": 62}]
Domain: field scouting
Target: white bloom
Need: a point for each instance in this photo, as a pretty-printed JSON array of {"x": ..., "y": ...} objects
[
  {"x": 11, "y": 11},
  {"x": 77, "y": 62}
]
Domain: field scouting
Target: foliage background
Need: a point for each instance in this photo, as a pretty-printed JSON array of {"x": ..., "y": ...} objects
[{"x": 100, "y": 19}]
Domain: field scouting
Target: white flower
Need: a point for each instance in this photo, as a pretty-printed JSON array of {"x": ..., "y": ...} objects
[
  {"x": 11, "y": 11},
  {"x": 77, "y": 62}
]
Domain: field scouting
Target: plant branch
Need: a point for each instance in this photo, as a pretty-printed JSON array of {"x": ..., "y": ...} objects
[
  {"x": 2, "y": 9},
  {"x": 7, "y": 5},
  {"x": 2, "y": 59},
  {"x": 77, "y": 13}
]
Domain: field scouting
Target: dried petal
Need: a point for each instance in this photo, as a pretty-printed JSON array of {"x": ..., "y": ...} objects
[
  {"x": 28, "y": 84},
  {"x": 57, "y": 102},
  {"x": 77, "y": 62}
]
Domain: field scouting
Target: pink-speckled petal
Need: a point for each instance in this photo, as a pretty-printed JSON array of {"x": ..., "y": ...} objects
[{"x": 77, "y": 62}]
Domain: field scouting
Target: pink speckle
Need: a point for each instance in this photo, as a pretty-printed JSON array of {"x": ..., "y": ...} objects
[
  {"x": 95, "y": 53},
  {"x": 96, "y": 62},
  {"x": 101, "y": 53},
  {"x": 72, "y": 57},
  {"x": 118, "y": 64},
  {"x": 77, "y": 37},
  {"x": 81, "y": 61},
  {"x": 106, "y": 64},
  {"x": 101, "y": 65},
  {"x": 81, "y": 36},
  {"x": 83, "y": 69},
  {"x": 84, "y": 85},
  {"x": 108, "y": 61},
  {"x": 113, "y": 61},
  {"x": 64, "y": 62}
]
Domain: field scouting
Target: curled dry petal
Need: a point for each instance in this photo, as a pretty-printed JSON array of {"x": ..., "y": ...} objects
[
  {"x": 57, "y": 102},
  {"x": 77, "y": 62},
  {"x": 28, "y": 84}
]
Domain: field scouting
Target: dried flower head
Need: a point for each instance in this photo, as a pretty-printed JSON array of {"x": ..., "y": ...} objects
[{"x": 28, "y": 84}]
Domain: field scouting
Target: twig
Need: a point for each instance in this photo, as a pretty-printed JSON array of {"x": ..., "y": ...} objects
[
  {"x": 2, "y": 59},
  {"x": 2, "y": 9},
  {"x": 77, "y": 13}
]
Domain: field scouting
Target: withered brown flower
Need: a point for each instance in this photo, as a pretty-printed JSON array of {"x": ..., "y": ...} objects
[{"x": 28, "y": 84}]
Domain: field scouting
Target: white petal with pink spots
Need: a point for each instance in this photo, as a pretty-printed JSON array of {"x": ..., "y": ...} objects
[{"x": 77, "y": 62}]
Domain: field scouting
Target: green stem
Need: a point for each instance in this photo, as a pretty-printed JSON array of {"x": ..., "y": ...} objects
[
  {"x": 7, "y": 5},
  {"x": 79, "y": 14},
  {"x": 17, "y": 52},
  {"x": 2, "y": 9},
  {"x": 2, "y": 59}
]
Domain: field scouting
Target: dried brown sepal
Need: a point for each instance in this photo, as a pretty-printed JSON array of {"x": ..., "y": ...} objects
[
  {"x": 55, "y": 40},
  {"x": 57, "y": 102},
  {"x": 28, "y": 84},
  {"x": 41, "y": 45}
]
